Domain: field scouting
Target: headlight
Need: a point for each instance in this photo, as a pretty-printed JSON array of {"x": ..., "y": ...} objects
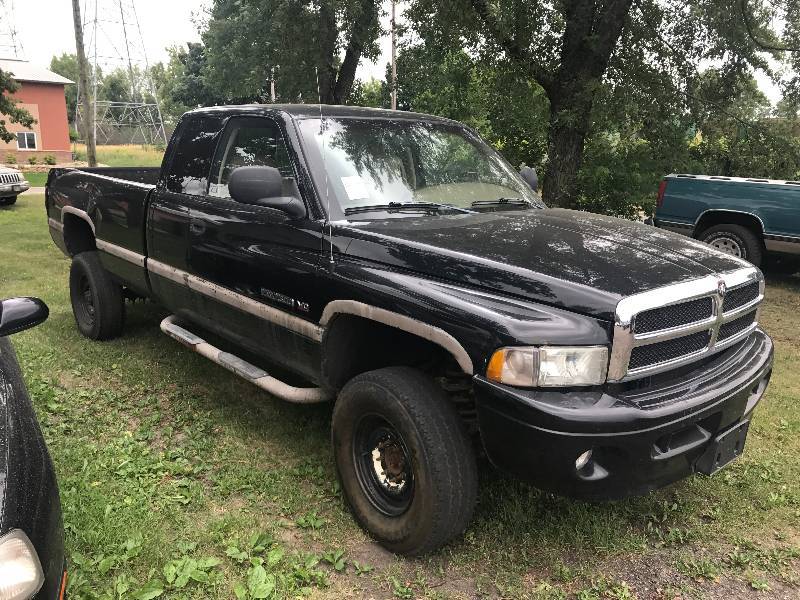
[
  {"x": 20, "y": 571},
  {"x": 549, "y": 366}
]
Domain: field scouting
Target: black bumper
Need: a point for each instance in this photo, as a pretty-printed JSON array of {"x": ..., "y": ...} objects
[{"x": 640, "y": 439}]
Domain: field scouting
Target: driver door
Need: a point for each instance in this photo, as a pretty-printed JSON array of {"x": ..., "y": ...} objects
[{"x": 256, "y": 255}]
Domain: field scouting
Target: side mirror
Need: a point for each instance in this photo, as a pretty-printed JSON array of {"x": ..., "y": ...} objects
[
  {"x": 263, "y": 186},
  {"x": 19, "y": 314},
  {"x": 530, "y": 177}
]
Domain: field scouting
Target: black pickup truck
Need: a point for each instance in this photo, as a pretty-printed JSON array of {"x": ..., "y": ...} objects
[{"x": 397, "y": 264}]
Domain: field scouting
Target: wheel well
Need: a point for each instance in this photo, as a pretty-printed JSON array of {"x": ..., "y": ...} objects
[
  {"x": 722, "y": 217},
  {"x": 353, "y": 345},
  {"x": 78, "y": 235}
]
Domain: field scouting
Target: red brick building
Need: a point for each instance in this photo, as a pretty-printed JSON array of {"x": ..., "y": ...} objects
[{"x": 41, "y": 93}]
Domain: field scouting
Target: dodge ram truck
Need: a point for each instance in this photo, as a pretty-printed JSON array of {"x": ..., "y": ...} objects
[{"x": 394, "y": 264}]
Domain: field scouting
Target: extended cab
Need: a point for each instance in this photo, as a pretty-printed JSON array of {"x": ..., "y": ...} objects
[
  {"x": 740, "y": 216},
  {"x": 397, "y": 264}
]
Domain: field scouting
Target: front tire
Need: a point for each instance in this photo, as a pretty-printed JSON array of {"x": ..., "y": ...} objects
[
  {"x": 404, "y": 460},
  {"x": 735, "y": 240},
  {"x": 97, "y": 302},
  {"x": 8, "y": 201}
]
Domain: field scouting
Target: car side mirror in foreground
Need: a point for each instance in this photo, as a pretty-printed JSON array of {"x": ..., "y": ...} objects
[
  {"x": 19, "y": 314},
  {"x": 530, "y": 177},
  {"x": 263, "y": 186}
]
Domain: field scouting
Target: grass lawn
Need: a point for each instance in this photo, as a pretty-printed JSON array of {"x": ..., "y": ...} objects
[
  {"x": 36, "y": 179},
  {"x": 128, "y": 155},
  {"x": 179, "y": 480}
]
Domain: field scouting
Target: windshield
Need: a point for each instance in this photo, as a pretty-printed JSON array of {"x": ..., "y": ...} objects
[{"x": 385, "y": 164}]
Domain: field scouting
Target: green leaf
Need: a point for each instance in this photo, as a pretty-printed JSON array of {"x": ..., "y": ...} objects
[
  {"x": 170, "y": 572},
  {"x": 264, "y": 589},
  {"x": 153, "y": 589},
  {"x": 199, "y": 576},
  {"x": 207, "y": 563},
  {"x": 274, "y": 556},
  {"x": 106, "y": 564},
  {"x": 256, "y": 576},
  {"x": 240, "y": 591}
]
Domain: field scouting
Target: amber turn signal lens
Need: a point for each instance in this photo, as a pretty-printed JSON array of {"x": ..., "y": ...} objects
[{"x": 495, "y": 369}]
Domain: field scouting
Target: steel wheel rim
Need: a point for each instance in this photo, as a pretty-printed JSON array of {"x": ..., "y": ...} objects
[
  {"x": 383, "y": 465},
  {"x": 86, "y": 300},
  {"x": 728, "y": 245}
]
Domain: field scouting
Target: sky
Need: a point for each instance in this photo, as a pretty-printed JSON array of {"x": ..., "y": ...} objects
[{"x": 163, "y": 23}]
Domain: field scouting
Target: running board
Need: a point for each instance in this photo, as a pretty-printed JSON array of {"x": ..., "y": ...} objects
[{"x": 241, "y": 367}]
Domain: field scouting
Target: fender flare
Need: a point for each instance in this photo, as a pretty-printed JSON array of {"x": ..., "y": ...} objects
[
  {"x": 81, "y": 214},
  {"x": 731, "y": 211},
  {"x": 408, "y": 324}
]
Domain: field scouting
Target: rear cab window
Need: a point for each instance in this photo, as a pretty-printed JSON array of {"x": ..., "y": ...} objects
[{"x": 191, "y": 160}]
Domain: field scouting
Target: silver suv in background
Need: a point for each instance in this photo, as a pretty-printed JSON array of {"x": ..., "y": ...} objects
[{"x": 12, "y": 184}]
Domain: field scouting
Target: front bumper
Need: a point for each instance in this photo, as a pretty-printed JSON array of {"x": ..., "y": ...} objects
[
  {"x": 12, "y": 189},
  {"x": 641, "y": 439}
]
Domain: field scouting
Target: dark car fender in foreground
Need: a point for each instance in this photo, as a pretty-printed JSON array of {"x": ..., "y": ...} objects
[{"x": 29, "y": 500}]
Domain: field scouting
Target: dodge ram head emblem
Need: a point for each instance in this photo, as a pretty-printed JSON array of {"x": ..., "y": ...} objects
[{"x": 721, "y": 288}]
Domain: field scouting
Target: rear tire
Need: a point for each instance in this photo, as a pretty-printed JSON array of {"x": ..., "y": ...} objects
[
  {"x": 8, "y": 201},
  {"x": 97, "y": 302},
  {"x": 404, "y": 460},
  {"x": 736, "y": 240}
]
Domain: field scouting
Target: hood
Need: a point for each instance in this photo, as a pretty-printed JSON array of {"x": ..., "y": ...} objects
[
  {"x": 576, "y": 260},
  {"x": 8, "y": 170}
]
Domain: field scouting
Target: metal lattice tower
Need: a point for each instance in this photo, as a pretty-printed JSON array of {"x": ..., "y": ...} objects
[
  {"x": 113, "y": 41},
  {"x": 10, "y": 43}
]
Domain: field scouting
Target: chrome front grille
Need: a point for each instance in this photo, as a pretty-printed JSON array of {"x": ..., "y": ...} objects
[
  {"x": 10, "y": 178},
  {"x": 659, "y": 352},
  {"x": 677, "y": 324},
  {"x": 737, "y": 297},
  {"x": 667, "y": 317},
  {"x": 731, "y": 328}
]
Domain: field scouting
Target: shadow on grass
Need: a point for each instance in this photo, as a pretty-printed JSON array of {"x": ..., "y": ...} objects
[
  {"x": 531, "y": 524},
  {"x": 262, "y": 450}
]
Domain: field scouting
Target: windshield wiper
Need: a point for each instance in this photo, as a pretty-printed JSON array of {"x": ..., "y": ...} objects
[
  {"x": 502, "y": 202},
  {"x": 404, "y": 207}
]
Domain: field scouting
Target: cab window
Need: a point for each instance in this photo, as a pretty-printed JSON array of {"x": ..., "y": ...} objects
[
  {"x": 248, "y": 142},
  {"x": 196, "y": 138}
]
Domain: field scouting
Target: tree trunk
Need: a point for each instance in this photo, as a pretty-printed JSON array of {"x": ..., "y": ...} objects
[
  {"x": 326, "y": 65},
  {"x": 592, "y": 30},
  {"x": 359, "y": 36},
  {"x": 569, "y": 125}
]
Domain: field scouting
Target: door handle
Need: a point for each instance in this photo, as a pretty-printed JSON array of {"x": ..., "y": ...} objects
[{"x": 197, "y": 228}]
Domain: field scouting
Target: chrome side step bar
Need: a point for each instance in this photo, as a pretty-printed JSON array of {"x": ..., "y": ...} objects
[{"x": 241, "y": 367}]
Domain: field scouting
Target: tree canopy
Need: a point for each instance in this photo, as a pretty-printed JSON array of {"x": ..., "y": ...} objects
[
  {"x": 586, "y": 52},
  {"x": 311, "y": 48},
  {"x": 603, "y": 96},
  {"x": 9, "y": 109}
]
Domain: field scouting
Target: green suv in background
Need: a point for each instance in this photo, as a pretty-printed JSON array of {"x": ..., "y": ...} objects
[{"x": 740, "y": 216}]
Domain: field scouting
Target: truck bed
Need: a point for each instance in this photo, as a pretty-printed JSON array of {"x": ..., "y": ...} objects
[{"x": 112, "y": 201}]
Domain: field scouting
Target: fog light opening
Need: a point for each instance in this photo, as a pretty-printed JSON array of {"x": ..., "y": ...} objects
[{"x": 583, "y": 460}]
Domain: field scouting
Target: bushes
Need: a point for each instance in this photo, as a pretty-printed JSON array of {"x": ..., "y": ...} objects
[
  {"x": 49, "y": 159},
  {"x": 11, "y": 159},
  {"x": 32, "y": 160}
]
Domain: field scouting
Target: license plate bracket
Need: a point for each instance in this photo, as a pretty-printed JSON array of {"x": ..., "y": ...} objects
[{"x": 723, "y": 449}]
